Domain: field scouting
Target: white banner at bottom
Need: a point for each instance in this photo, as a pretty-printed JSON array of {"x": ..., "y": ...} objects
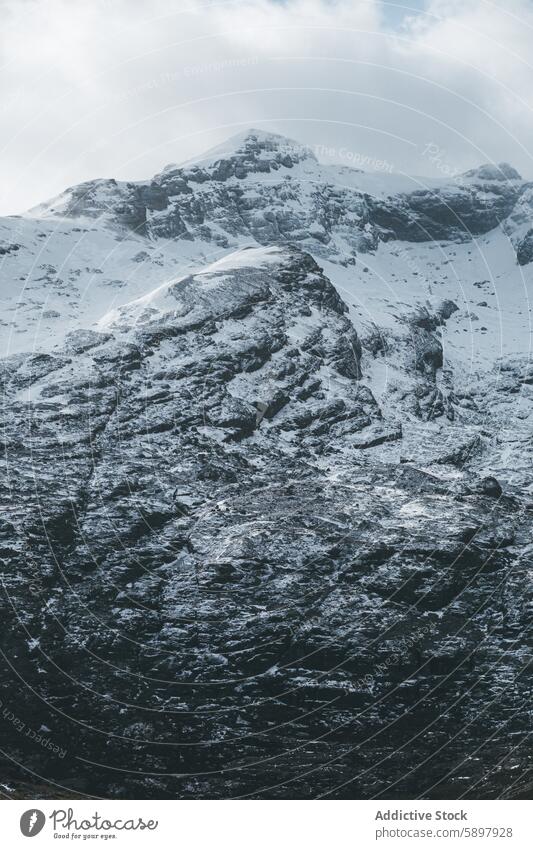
[{"x": 268, "y": 824}]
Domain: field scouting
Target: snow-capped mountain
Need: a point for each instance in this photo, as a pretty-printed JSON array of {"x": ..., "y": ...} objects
[{"x": 267, "y": 492}]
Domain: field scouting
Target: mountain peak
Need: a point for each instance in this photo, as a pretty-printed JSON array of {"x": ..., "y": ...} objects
[
  {"x": 252, "y": 145},
  {"x": 502, "y": 171}
]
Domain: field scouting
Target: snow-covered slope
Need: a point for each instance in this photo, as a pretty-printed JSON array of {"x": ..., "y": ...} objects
[{"x": 104, "y": 243}]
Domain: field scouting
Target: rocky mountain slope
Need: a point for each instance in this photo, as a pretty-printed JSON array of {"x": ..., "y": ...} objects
[{"x": 266, "y": 492}]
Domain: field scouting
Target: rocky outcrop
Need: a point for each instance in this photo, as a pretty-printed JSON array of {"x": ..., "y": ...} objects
[
  {"x": 266, "y": 519},
  {"x": 272, "y": 189},
  {"x": 475, "y": 204}
]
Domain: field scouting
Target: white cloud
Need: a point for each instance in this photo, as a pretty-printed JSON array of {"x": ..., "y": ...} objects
[{"x": 120, "y": 87}]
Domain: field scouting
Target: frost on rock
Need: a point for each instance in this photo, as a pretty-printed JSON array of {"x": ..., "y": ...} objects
[{"x": 267, "y": 485}]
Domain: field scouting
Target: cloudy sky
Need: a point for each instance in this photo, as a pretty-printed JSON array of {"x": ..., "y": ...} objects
[{"x": 122, "y": 87}]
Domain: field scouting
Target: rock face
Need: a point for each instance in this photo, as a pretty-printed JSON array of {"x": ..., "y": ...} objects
[{"x": 257, "y": 542}]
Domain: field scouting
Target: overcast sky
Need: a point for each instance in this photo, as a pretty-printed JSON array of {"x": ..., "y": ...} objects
[{"x": 119, "y": 88}]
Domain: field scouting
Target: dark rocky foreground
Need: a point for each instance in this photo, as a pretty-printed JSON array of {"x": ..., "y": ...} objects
[{"x": 226, "y": 572}]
